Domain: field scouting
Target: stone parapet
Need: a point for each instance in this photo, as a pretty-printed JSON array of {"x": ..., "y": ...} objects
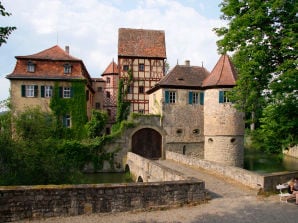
[
  {"x": 36, "y": 202},
  {"x": 265, "y": 182}
]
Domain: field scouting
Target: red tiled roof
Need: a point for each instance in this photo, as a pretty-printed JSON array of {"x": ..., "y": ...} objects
[
  {"x": 141, "y": 43},
  {"x": 223, "y": 74},
  {"x": 111, "y": 69},
  {"x": 53, "y": 53}
]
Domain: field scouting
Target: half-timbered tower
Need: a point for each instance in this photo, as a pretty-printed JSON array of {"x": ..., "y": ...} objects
[{"x": 141, "y": 64}]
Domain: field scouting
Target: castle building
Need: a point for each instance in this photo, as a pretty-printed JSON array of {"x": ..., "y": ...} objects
[
  {"x": 141, "y": 64},
  {"x": 111, "y": 79},
  {"x": 35, "y": 77},
  {"x": 196, "y": 113},
  {"x": 223, "y": 124}
]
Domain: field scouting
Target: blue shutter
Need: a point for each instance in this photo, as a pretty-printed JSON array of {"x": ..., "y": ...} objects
[
  {"x": 221, "y": 97},
  {"x": 201, "y": 98},
  {"x": 42, "y": 91},
  {"x": 71, "y": 92},
  {"x": 23, "y": 90},
  {"x": 190, "y": 97},
  {"x": 61, "y": 92},
  {"x": 167, "y": 97},
  {"x": 64, "y": 121},
  {"x": 35, "y": 90}
]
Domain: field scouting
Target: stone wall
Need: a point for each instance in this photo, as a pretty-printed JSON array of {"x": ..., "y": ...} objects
[
  {"x": 266, "y": 182},
  {"x": 151, "y": 171},
  {"x": 228, "y": 150},
  {"x": 35, "y": 202},
  {"x": 293, "y": 151},
  {"x": 182, "y": 121}
]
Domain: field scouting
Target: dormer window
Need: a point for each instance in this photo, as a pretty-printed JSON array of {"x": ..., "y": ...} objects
[
  {"x": 30, "y": 67},
  {"x": 67, "y": 68}
]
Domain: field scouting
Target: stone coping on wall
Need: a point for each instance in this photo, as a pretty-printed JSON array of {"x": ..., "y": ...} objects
[
  {"x": 36, "y": 202},
  {"x": 266, "y": 182}
]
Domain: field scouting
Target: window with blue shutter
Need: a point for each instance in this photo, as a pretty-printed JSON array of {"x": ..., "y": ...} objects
[
  {"x": 221, "y": 97},
  {"x": 35, "y": 90},
  {"x": 167, "y": 97},
  {"x": 201, "y": 98},
  {"x": 60, "y": 92},
  {"x": 190, "y": 95},
  {"x": 42, "y": 91},
  {"x": 23, "y": 90}
]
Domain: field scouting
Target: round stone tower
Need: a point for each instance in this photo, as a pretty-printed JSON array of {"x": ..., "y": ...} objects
[{"x": 223, "y": 124}]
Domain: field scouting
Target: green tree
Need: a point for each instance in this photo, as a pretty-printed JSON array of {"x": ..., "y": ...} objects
[
  {"x": 263, "y": 37},
  {"x": 7, "y": 30},
  {"x": 35, "y": 125},
  {"x": 96, "y": 124}
]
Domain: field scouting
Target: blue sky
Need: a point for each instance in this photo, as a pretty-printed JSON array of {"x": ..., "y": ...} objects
[{"x": 90, "y": 28}]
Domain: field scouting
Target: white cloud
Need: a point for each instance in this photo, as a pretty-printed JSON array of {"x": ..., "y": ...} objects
[{"x": 90, "y": 28}]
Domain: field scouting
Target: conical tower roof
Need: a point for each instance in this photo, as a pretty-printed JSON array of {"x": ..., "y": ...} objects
[
  {"x": 222, "y": 75},
  {"x": 111, "y": 69}
]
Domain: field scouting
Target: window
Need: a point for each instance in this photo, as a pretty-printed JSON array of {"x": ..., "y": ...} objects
[
  {"x": 67, "y": 121},
  {"x": 108, "y": 94},
  {"x": 170, "y": 97},
  {"x": 99, "y": 89},
  {"x": 97, "y": 105},
  {"x": 30, "y": 67},
  {"x": 141, "y": 89},
  {"x": 223, "y": 97},
  {"x": 108, "y": 80},
  {"x": 46, "y": 91},
  {"x": 129, "y": 89},
  {"x": 66, "y": 92},
  {"x": 67, "y": 68},
  {"x": 193, "y": 97},
  {"x": 141, "y": 67},
  {"x": 29, "y": 91},
  {"x": 125, "y": 67}
]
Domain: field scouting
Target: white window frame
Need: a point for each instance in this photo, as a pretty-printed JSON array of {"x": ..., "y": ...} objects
[
  {"x": 30, "y": 67},
  {"x": 48, "y": 91},
  {"x": 67, "y": 121},
  {"x": 67, "y": 69},
  {"x": 29, "y": 91},
  {"x": 66, "y": 92},
  {"x": 195, "y": 97}
]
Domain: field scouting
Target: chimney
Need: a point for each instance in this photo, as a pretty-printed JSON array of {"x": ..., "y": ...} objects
[
  {"x": 187, "y": 63},
  {"x": 67, "y": 49}
]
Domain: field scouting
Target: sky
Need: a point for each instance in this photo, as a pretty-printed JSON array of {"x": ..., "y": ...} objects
[{"x": 90, "y": 29}]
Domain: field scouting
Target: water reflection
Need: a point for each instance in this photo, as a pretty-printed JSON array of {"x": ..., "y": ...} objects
[
  {"x": 268, "y": 163},
  {"x": 99, "y": 178}
]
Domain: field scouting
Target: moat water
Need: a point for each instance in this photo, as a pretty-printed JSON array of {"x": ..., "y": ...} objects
[
  {"x": 261, "y": 162},
  {"x": 101, "y": 178}
]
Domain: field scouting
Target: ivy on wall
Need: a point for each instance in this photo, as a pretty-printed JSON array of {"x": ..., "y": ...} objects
[
  {"x": 75, "y": 106},
  {"x": 122, "y": 105}
]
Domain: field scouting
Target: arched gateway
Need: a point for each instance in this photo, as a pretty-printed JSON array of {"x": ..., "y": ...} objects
[{"x": 146, "y": 142}]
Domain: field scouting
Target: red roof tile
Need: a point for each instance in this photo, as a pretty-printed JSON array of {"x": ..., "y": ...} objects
[
  {"x": 111, "y": 69},
  {"x": 141, "y": 43},
  {"x": 223, "y": 74},
  {"x": 53, "y": 53}
]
